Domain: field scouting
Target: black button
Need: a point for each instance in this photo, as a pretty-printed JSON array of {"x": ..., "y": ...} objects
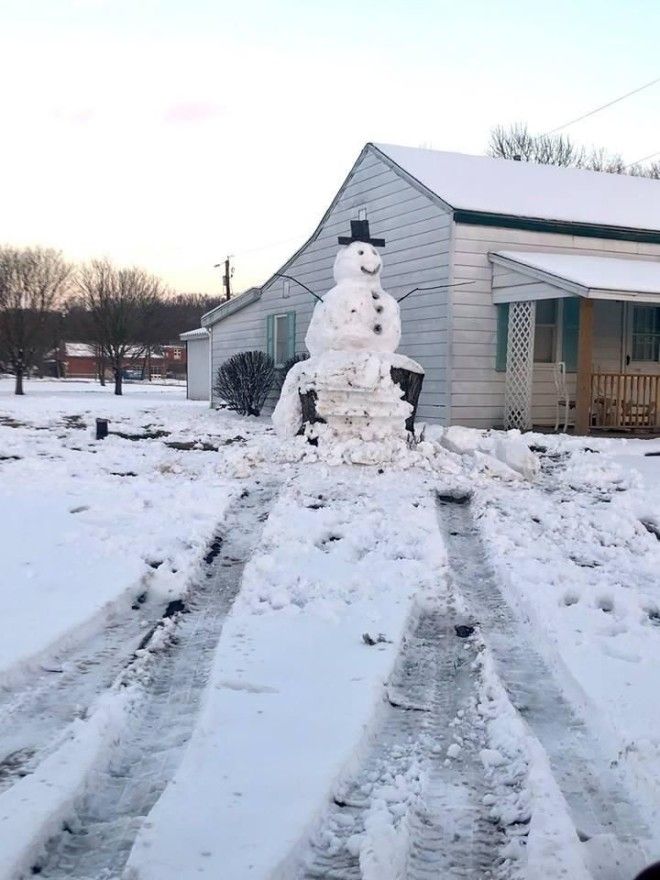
[
  {"x": 379, "y": 309},
  {"x": 377, "y": 328},
  {"x": 375, "y": 295}
]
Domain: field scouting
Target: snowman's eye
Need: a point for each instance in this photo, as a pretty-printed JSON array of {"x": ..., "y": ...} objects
[{"x": 360, "y": 252}]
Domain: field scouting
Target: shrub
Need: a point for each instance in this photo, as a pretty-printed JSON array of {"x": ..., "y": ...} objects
[{"x": 244, "y": 381}]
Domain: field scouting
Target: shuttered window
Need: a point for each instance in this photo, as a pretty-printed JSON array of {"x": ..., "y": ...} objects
[{"x": 281, "y": 337}]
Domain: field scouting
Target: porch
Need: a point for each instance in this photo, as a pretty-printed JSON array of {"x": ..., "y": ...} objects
[{"x": 597, "y": 316}]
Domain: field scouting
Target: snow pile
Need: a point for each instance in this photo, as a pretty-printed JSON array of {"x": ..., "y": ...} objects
[
  {"x": 294, "y": 683},
  {"x": 502, "y": 454}
]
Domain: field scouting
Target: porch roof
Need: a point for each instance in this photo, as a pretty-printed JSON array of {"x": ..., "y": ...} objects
[{"x": 611, "y": 278}]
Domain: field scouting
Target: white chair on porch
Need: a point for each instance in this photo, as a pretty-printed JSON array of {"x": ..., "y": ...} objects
[{"x": 563, "y": 402}]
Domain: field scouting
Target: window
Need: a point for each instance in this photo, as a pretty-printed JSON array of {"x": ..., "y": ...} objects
[
  {"x": 545, "y": 331},
  {"x": 281, "y": 337},
  {"x": 646, "y": 333}
]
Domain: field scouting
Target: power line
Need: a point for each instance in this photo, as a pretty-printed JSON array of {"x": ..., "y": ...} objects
[
  {"x": 603, "y": 106},
  {"x": 643, "y": 159}
]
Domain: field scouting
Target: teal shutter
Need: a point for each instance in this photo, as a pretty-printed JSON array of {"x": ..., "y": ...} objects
[
  {"x": 570, "y": 329},
  {"x": 270, "y": 335},
  {"x": 291, "y": 334},
  {"x": 502, "y": 336}
]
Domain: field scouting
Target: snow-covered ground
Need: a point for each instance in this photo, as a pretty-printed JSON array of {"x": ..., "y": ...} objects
[
  {"x": 358, "y": 682},
  {"x": 89, "y": 525}
]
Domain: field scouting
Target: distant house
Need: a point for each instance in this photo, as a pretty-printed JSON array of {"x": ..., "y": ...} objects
[
  {"x": 533, "y": 267},
  {"x": 81, "y": 360},
  {"x": 198, "y": 386}
]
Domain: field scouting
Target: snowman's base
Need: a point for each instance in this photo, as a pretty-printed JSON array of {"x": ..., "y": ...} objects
[{"x": 409, "y": 381}]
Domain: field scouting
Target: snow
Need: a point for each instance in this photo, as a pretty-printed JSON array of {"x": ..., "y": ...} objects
[
  {"x": 350, "y": 558},
  {"x": 200, "y": 333},
  {"x": 603, "y": 273},
  {"x": 79, "y": 540},
  {"x": 294, "y": 686},
  {"x": 583, "y": 570},
  {"x": 35, "y": 807},
  {"x": 523, "y": 189}
]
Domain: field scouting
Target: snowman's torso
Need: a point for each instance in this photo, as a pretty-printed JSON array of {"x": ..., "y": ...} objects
[
  {"x": 355, "y": 317},
  {"x": 357, "y": 314}
]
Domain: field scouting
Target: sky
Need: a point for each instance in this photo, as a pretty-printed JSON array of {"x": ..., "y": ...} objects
[{"x": 171, "y": 133}]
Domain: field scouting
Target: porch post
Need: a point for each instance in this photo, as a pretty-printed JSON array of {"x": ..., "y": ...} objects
[
  {"x": 519, "y": 366},
  {"x": 584, "y": 367}
]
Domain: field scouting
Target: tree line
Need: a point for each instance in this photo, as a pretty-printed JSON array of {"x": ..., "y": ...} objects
[{"x": 45, "y": 300}]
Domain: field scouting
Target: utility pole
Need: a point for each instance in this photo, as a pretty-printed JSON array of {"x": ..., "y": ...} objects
[{"x": 226, "y": 278}]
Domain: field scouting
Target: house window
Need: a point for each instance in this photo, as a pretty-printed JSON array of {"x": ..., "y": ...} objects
[
  {"x": 281, "y": 337},
  {"x": 545, "y": 331},
  {"x": 646, "y": 333}
]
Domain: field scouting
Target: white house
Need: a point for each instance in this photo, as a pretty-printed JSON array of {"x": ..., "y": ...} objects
[{"x": 541, "y": 266}]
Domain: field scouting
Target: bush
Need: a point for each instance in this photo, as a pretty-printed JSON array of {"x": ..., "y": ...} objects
[{"x": 244, "y": 381}]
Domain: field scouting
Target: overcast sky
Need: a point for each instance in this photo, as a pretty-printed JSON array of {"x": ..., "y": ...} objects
[{"x": 169, "y": 133}]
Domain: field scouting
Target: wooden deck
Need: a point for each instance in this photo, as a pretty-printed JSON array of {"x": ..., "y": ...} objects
[{"x": 627, "y": 402}]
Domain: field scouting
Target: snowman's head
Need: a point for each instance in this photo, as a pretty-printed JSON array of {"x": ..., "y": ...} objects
[{"x": 357, "y": 262}]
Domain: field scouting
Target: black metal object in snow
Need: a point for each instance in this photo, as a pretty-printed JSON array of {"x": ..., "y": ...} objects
[
  {"x": 409, "y": 382},
  {"x": 360, "y": 232},
  {"x": 101, "y": 429}
]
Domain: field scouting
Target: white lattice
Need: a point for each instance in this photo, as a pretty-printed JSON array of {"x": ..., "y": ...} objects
[{"x": 519, "y": 366}]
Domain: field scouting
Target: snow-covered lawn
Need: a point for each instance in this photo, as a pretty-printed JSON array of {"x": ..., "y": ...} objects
[
  {"x": 88, "y": 525},
  {"x": 290, "y": 703}
]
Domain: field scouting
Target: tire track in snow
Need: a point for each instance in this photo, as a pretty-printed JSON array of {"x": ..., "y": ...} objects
[
  {"x": 411, "y": 810},
  {"x": 36, "y": 715},
  {"x": 96, "y": 842},
  {"x": 600, "y": 807}
]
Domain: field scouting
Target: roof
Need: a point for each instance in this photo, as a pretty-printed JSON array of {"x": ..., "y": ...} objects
[
  {"x": 588, "y": 276},
  {"x": 79, "y": 349},
  {"x": 200, "y": 333},
  {"x": 231, "y": 305},
  {"x": 525, "y": 189}
]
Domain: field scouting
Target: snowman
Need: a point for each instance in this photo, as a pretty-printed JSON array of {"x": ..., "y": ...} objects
[{"x": 350, "y": 376}]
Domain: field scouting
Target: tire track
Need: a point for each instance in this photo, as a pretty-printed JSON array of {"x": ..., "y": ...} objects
[
  {"x": 600, "y": 806},
  {"x": 426, "y": 744},
  {"x": 96, "y": 842}
]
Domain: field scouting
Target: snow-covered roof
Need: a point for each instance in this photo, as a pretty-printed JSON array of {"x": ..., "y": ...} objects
[
  {"x": 524, "y": 189},
  {"x": 79, "y": 349},
  {"x": 199, "y": 333},
  {"x": 584, "y": 275}
]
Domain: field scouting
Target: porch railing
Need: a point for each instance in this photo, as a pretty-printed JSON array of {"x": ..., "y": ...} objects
[{"x": 625, "y": 401}]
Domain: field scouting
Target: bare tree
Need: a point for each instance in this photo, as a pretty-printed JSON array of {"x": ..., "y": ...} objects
[
  {"x": 122, "y": 303},
  {"x": 516, "y": 142},
  {"x": 33, "y": 282}
]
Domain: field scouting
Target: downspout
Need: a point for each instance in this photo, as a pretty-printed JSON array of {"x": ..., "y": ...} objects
[{"x": 209, "y": 330}]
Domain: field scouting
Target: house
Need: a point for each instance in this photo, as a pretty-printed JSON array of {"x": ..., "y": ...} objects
[
  {"x": 198, "y": 385},
  {"x": 522, "y": 267},
  {"x": 81, "y": 360},
  {"x": 175, "y": 357}
]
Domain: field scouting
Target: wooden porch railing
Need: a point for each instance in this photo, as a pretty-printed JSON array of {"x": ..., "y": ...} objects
[{"x": 625, "y": 401}]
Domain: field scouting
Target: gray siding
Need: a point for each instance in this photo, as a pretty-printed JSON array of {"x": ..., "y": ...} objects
[
  {"x": 417, "y": 232},
  {"x": 477, "y": 390}
]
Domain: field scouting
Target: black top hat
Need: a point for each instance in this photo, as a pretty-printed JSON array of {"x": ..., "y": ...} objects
[{"x": 360, "y": 232}]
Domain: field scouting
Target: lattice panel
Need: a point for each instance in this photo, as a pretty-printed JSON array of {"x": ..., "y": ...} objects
[{"x": 519, "y": 366}]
